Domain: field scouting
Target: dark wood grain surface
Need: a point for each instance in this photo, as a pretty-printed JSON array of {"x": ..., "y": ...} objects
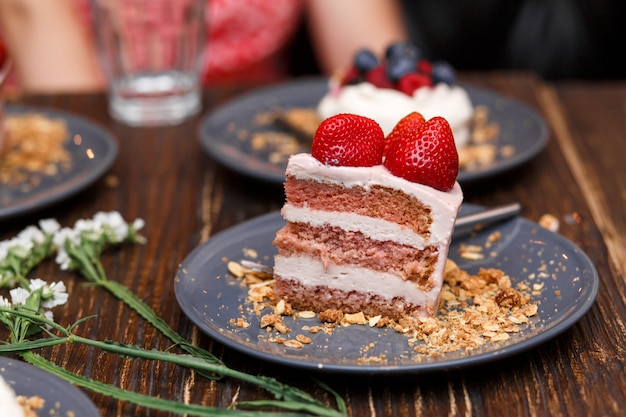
[{"x": 163, "y": 176}]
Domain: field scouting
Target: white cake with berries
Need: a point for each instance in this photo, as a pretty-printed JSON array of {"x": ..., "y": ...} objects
[
  {"x": 358, "y": 237},
  {"x": 9, "y": 405},
  {"x": 387, "y": 90}
]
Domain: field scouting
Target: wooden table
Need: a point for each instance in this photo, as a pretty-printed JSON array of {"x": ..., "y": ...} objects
[{"x": 164, "y": 176}]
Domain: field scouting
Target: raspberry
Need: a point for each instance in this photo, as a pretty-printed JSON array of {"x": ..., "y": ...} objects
[{"x": 412, "y": 81}]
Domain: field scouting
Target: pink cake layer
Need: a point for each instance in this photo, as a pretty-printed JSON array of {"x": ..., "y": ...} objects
[
  {"x": 334, "y": 245},
  {"x": 377, "y": 201},
  {"x": 321, "y": 298}
]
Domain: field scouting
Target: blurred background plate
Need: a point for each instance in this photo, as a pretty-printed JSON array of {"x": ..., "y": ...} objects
[
  {"x": 61, "y": 398},
  {"x": 229, "y": 132},
  {"x": 92, "y": 150}
]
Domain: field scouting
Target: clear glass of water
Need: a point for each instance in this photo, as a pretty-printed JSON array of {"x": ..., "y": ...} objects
[{"x": 151, "y": 52}]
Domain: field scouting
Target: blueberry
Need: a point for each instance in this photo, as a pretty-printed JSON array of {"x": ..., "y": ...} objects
[
  {"x": 443, "y": 72},
  {"x": 399, "y": 67},
  {"x": 365, "y": 60},
  {"x": 403, "y": 50}
]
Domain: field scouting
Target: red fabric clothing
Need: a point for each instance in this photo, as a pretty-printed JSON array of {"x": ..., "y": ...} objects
[{"x": 244, "y": 37}]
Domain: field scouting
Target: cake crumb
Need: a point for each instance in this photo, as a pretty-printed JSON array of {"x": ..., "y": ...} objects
[
  {"x": 31, "y": 405},
  {"x": 331, "y": 316},
  {"x": 550, "y": 222}
]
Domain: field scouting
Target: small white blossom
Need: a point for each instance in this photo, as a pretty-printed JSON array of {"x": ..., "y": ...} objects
[
  {"x": 32, "y": 234},
  {"x": 19, "y": 247},
  {"x": 65, "y": 234},
  {"x": 138, "y": 224},
  {"x": 54, "y": 295},
  {"x": 88, "y": 230},
  {"x": 59, "y": 239},
  {"x": 49, "y": 226},
  {"x": 19, "y": 295},
  {"x": 48, "y": 314},
  {"x": 115, "y": 222},
  {"x": 4, "y": 303}
]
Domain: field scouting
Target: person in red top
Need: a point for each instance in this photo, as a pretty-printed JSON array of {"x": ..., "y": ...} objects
[
  {"x": 243, "y": 42},
  {"x": 52, "y": 47}
]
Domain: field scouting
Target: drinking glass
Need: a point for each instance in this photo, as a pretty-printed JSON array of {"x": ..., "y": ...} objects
[{"x": 151, "y": 52}]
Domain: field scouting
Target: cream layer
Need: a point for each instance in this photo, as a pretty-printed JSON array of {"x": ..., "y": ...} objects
[
  {"x": 376, "y": 229},
  {"x": 311, "y": 273}
]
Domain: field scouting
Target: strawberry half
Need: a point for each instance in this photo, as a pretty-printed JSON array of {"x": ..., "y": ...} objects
[
  {"x": 349, "y": 140},
  {"x": 426, "y": 155},
  {"x": 404, "y": 127}
]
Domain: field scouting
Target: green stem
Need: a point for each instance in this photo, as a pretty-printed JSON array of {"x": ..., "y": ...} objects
[
  {"x": 140, "y": 399},
  {"x": 294, "y": 399},
  {"x": 92, "y": 270}
]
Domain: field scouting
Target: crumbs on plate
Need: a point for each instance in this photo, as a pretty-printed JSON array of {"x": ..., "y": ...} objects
[
  {"x": 474, "y": 310},
  {"x": 33, "y": 147},
  {"x": 31, "y": 405}
]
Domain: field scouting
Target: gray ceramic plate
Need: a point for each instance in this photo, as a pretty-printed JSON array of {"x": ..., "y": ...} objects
[
  {"x": 211, "y": 297},
  {"x": 61, "y": 398},
  {"x": 226, "y": 133},
  {"x": 91, "y": 158}
]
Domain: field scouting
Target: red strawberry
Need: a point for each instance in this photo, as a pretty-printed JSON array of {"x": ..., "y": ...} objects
[
  {"x": 404, "y": 127},
  {"x": 412, "y": 81},
  {"x": 427, "y": 155},
  {"x": 378, "y": 77},
  {"x": 349, "y": 140}
]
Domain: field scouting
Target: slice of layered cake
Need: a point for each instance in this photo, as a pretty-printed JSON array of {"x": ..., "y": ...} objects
[{"x": 363, "y": 235}]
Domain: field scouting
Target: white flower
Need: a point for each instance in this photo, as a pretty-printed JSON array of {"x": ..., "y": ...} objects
[
  {"x": 19, "y": 247},
  {"x": 88, "y": 229},
  {"x": 66, "y": 234},
  {"x": 138, "y": 224},
  {"x": 114, "y": 221},
  {"x": 49, "y": 226},
  {"x": 4, "y": 303},
  {"x": 59, "y": 239},
  {"x": 32, "y": 234},
  {"x": 53, "y": 295},
  {"x": 19, "y": 295},
  {"x": 48, "y": 314}
]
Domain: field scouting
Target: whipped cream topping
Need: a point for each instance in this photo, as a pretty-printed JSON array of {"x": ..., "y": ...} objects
[
  {"x": 388, "y": 106},
  {"x": 8, "y": 402}
]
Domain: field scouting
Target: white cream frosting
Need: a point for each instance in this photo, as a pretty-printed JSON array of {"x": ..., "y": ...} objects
[
  {"x": 444, "y": 208},
  {"x": 8, "y": 402},
  {"x": 387, "y": 106}
]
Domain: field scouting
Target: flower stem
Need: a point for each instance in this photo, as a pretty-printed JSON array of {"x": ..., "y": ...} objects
[
  {"x": 292, "y": 398},
  {"x": 140, "y": 399},
  {"x": 92, "y": 270}
]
